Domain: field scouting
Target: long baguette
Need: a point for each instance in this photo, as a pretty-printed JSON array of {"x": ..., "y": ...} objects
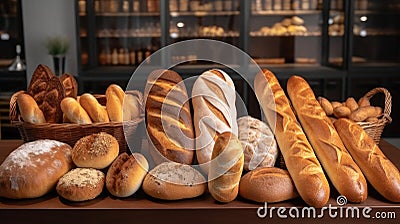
[
  {"x": 343, "y": 172},
  {"x": 377, "y": 168},
  {"x": 301, "y": 162}
]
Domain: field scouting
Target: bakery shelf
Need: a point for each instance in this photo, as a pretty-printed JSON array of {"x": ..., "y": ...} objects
[
  {"x": 285, "y": 12},
  {"x": 124, "y": 14},
  {"x": 316, "y": 34},
  {"x": 205, "y": 13}
]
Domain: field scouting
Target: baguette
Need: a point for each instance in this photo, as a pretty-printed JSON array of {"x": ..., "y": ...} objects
[
  {"x": 225, "y": 168},
  {"x": 343, "y": 172},
  {"x": 381, "y": 173},
  {"x": 74, "y": 111},
  {"x": 115, "y": 98},
  {"x": 213, "y": 98},
  {"x": 94, "y": 109},
  {"x": 29, "y": 109},
  {"x": 168, "y": 117},
  {"x": 301, "y": 162}
]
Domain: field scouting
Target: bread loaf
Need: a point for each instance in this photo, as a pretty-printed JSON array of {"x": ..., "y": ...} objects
[
  {"x": 258, "y": 143},
  {"x": 74, "y": 111},
  {"x": 33, "y": 169},
  {"x": 377, "y": 168},
  {"x": 343, "y": 172},
  {"x": 94, "y": 109},
  {"x": 126, "y": 174},
  {"x": 29, "y": 109},
  {"x": 115, "y": 99},
  {"x": 81, "y": 184},
  {"x": 213, "y": 98},
  {"x": 168, "y": 117},
  {"x": 174, "y": 181},
  {"x": 226, "y": 168},
  {"x": 97, "y": 150},
  {"x": 267, "y": 184},
  {"x": 301, "y": 162},
  {"x": 133, "y": 106},
  {"x": 70, "y": 85}
]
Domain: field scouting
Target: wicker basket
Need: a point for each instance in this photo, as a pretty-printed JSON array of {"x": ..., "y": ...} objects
[
  {"x": 71, "y": 133},
  {"x": 375, "y": 129}
]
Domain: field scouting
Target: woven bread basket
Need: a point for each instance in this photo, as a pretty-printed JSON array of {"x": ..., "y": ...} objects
[
  {"x": 70, "y": 133},
  {"x": 375, "y": 129}
]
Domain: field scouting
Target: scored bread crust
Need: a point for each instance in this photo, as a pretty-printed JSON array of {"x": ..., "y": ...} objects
[
  {"x": 340, "y": 167},
  {"x": 70, "y": 85},
  {"x": 300, "y": 160},
  {"x": 168, "y": 117}
]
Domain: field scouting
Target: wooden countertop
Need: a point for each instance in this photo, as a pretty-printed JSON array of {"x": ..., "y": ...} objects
[{"x": 140, "y": 208}]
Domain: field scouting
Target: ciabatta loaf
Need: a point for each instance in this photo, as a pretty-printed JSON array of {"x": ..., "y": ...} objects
[{"x": 299, "y": 156}]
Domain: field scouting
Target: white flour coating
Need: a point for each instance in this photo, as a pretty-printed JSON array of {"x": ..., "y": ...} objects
[
  {"x": 22, "y": 156},
  {"x": 14, "y": 183},
  {"x": 177, "y": 173}
]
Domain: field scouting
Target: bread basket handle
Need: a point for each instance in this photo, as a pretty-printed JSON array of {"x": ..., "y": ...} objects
[
  {"x": 13, "y": 106},
  {"x": 388, "y": 101}
]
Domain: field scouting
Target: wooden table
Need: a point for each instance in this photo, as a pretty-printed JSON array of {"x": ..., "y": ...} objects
[{"x": 143, "y": 209}]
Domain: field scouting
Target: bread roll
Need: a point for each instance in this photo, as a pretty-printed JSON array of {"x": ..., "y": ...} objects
[
  {"x": 126, "y": 174},
  {"x": 377, "y": 168},
  {"x": 174, "y": 181},
  {"x": 95, "y": 151},
  {"x": 168, "y": 117},
  {"x": 74, "y": 111},
  {"x": 213, "y": 98},
  {"x": 81, "y": 184},
  {"x": 115, "y": 98},
  {"x": 33, "y": 169},
  {"x": 29, "y": 109},
  {"x": 133, "y": 106},
  {"x": 326, "y": 105},
  {"x": 362, "y": 113},
  {"x": 343, "y": 172},
  {"x": 341, "y": 111},
  {"x": 267, "y": 184},
  {"x": 226, "y": 168},
  {"x": 301, "y": 162},
  {"x": 336, "y": 104},
  {"x": 351, "y": 104},
  {"x": 364, "y": 102},
  {"x": 94, "y": 109},
  {"x": 258, "y": 142}
]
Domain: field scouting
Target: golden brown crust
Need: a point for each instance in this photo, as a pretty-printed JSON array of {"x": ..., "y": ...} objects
[
  {"x": 168, "y": 117},
  {"x": 126, "y": 174},
  {"x": 29, "y": 109},
  {"x": 343, "y": 172},
  {"x": 74, "y": 112},
  {"x": 94, "y": 109},
  {"x": 267, "y": 184},
  {"x": 95, "y": 151},
  {"x": 115, "y": 99},
  {"x": 377, "y": 168},
  {"x": 33, "y": 169},
  {"x": 299, "y": 156}
]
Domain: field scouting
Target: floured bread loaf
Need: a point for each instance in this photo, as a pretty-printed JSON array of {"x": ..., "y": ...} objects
[
  {"x": 258, "y": 141},
  {"x": 48, "y": 92},
  {"x": 34, "y": 168}
]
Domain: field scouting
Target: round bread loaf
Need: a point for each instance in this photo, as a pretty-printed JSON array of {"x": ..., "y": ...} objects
[
  {"x": 267, "y": 184},
  {"x": 81, "y": 184},
  {"x": 126, "y": 174},
  {"x": 174, "y": 181},
  {"x": 95, "y": 151},
  {"x": 34, "y": 168},
  {"x": 258, "y": 141}
]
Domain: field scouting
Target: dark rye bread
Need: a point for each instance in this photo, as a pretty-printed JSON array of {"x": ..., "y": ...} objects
[
  {"x": 48, "y": 92},
  {"x": 70, "y": 85},
  {"x": 168, "y": 118}
]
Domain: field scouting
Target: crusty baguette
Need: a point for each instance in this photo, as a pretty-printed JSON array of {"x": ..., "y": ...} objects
[
  {"x": 168, "y": 117},
  {"x": 74, "y": 111},
  {"x": 94, "y": 109},
  {"x": 341, "y": 169},
  {"x": 377, "y": 168},
  {"x": 115, "y": 98},
  {"x": 301, "y": 162},
  {"x": 213, "y": 98},
  {"x": 225, "y": 168},
  {"x": 267, "y": 184},
  {"x": 29, "y": 109}
]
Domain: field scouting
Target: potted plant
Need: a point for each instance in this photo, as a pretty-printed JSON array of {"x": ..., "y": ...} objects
[{"x": 57, "y": 47}]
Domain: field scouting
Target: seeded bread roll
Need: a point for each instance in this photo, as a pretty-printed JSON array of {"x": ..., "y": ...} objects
[
  {"x": 174, "y": 181},
  {"x": 81, "y": 184},
  {"x": 33, "y": 169},
  {"x": 126, "y": 174},
  {"x": 95, "y": 151}
]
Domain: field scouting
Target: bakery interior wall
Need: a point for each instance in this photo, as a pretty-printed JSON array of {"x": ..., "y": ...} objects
[{"x": 43, "y": 19}]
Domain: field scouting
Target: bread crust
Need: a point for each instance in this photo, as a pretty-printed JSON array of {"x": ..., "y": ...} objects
[
  {"x": 74, "y": 112},
  {"x": 70, "y": 85},
  {"x": 29, "y": 109},
  {"x": 94, "y": 109}
]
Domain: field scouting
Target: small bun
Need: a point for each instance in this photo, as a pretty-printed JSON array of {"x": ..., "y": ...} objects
[
  {"x": 95, "y": 151},
  {"x": 126, "y": 174},
  {"x": 81, "y": 184}
]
